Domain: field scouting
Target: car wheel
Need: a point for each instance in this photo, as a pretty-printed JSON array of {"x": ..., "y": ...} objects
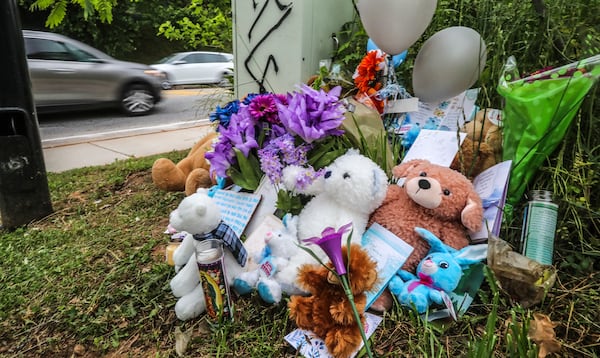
[
  {"x": 166, "y": 84},
  {"x": 137, "y": 100}
]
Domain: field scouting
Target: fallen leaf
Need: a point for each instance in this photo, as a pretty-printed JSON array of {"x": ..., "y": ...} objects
[
  {"x": 181, "y": 340},
  {"x": 541, "y": 331}
]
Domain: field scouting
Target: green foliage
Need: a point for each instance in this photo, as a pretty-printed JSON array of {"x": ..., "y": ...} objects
[
  {"x": 58, "y": 9},
  {"x": 201, "y": 25}
]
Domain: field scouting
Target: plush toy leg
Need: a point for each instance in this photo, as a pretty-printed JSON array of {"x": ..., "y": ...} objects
[
  {"x": 414, "y": 299},
  {"x": 343, "y": 341},
  {"x": 198, "y": 178},
  {"x": 191, "y": 305},
  {"x": 186, "y": 279},
  {"x": 269, "y": 290},
  {"x": 301, "y": 311},
  {"x": 166, "y": 176},
  {"x": 183, "y": 253},
  {"x": 244, "y": 284}
]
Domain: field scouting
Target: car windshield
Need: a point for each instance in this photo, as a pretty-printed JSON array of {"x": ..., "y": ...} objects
[{"x": 169, "y": 58}]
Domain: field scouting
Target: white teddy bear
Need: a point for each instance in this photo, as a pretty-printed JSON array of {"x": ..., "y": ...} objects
[
  {"x": 352, "y": 187},
  {"x": 281, "y": 247},
  {"x": 199, "y": 217}
]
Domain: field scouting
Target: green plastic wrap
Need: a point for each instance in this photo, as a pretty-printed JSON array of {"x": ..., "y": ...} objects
[{"x": 537, "y": 112}]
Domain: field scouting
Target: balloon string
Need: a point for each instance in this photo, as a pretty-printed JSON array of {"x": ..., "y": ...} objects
[{"x": 392, "y": 90}]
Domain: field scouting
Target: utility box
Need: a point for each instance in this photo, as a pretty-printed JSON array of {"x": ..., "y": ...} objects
[
  {"x": 279, "y": 44},
  {"x": 24, "y": 194}
]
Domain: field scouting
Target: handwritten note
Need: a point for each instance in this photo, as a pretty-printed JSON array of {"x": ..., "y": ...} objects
[
  {"x": 439, "y": 147},
  {"x": 491, "y": 185},
  {"x": 388, "y": 251},
  {"x": 236, "y": 208}
]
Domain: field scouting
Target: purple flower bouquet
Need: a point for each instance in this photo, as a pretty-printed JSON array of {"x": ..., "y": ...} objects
[{"x": 266, "y": 132}]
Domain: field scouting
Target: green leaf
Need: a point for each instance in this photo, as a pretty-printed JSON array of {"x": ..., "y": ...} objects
[
  {"x": 289, "y": 203},
  {"x": 248, "y": 176}
]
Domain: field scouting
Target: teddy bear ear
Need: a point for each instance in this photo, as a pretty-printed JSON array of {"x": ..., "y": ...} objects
[
  {"x": 201, "y": 209},
  {"x": 400, "y": 171},
  {"x": 472, "y": 215},
  {"x": 353, "y": 151}
]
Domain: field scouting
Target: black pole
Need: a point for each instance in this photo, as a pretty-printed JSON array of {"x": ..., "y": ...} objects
[{"x": 24, "y": 194}]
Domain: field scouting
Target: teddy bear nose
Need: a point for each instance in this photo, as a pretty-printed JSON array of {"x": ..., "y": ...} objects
[
  {"x": 424, "y": 184},
  {"x": 327, "y": 174}
]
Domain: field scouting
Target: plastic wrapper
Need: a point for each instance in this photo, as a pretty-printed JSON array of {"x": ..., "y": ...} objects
[
  {"x": 525, "y": 280},
  {"x": 364, "y": 128},
  {"x": 537, "y": 112}
]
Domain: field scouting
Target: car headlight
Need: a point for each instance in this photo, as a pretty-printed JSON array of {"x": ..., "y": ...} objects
[{"x": 155, "y": 73}]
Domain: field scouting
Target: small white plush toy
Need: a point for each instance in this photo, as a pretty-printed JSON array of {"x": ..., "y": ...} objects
[
  {"x": 269, "y": 278},
  {"x": 352, "y": 187},
  {"x": 199, "y": 217}
]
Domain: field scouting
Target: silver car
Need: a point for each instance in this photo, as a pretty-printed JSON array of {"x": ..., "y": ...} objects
[{"x": 66, "y": 73}]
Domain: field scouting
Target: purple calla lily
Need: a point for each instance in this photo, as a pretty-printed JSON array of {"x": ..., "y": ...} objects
[{"x": 331, "y": 243}]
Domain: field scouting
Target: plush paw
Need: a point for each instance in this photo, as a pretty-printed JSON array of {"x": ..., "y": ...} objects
[
  {"x": 269, "y": 292},
  {"x": 415, "y": 301},
  {"x": 242, "y": 287}
]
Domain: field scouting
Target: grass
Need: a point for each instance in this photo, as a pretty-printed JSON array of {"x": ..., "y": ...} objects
[{"x": 90, "y": 280}]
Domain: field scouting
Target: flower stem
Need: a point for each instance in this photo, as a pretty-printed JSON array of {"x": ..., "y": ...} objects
[{"x": 348, "y": 292}]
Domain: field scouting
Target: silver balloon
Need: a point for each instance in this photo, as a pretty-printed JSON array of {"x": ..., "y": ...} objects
[
  {"x": 448, "y": 63},
  {"x": 394, "y": 25}
]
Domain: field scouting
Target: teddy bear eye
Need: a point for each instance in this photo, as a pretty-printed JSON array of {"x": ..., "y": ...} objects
[
  {"x": 346, "y": 176},
  {"x": 422, "y": 174},
  {"x": 444, "y": 265},
  {"x": 446, "y": 192}
]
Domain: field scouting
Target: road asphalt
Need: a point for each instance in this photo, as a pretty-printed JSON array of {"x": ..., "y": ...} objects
[{"x": 104, "y": 148}]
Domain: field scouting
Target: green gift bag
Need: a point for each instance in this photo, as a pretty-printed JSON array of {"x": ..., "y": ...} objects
[{"x": 537, "y": 112}]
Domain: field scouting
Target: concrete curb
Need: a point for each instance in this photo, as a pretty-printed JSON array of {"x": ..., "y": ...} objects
[{"x": 59, "y": 142}]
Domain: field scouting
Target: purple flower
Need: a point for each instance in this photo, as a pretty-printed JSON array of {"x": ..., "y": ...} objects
[
  {"x": 221, "y": 158},
  {"x": 312, "y": 114},
  {"x": 307, "y": 177},
  {"x": 275, "y": 131},
  {"x": 279, "y": 152},
  {"x": 241, "y": 131},
  {"x": 331, "y": 243},
  {"x": 270, "y": 164}
]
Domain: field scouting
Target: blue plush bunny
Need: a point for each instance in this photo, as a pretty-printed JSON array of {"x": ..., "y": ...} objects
[{"x": 437, "y": 274}]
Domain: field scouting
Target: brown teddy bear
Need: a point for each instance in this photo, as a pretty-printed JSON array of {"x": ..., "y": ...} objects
[
  {"x": 327, "y": 311},
  {"x": 433, "y": 197},
  {"x": 190, "y": 174},
  {"x": 482, "y": 148}
]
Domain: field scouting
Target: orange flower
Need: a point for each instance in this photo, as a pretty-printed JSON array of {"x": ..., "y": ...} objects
[{"x": 366, "y": 75}]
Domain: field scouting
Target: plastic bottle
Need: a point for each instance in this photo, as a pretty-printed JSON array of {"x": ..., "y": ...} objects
[{"x": 539, "y": 227}]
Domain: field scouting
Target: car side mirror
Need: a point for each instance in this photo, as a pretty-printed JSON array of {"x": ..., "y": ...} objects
[{"x": 179, "y": 62}]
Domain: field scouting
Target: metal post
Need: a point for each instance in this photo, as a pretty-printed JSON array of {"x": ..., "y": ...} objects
[{"x": 24, "y": 194}]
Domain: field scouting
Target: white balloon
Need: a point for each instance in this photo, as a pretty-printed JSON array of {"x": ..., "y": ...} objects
[
  {"x": 394, "y": 25},
  {"x": 448, "y": 63}
]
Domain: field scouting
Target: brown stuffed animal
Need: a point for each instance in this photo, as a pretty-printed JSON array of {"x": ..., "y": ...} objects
[
  {"x": 482, "y": 148},
  {"x": 190, "y": 174},
  {"x": 327, "y": 312},
  {"x": 433, "y": 197}
]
